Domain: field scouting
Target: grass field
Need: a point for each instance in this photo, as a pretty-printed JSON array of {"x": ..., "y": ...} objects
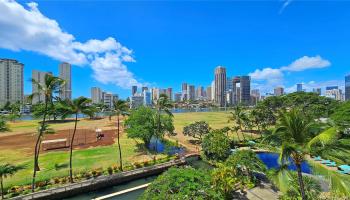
[{"x": 96, "y": 157}]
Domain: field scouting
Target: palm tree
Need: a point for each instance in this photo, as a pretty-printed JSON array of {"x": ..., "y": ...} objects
[
  {"x": 238, "y": 116},
  {"x": 5, "y": 171},
  {"x": 296, "y": 138},
  {"x": 162, "y": 105},
  {"x": 50, "y": 85},
  {"x": 78, "y": 105},
  {"x": 120, "y": 108}
]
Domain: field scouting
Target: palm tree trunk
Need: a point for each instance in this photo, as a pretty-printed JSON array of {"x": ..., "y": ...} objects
[
  {"x": 120, "y": 149},
  {"x": 158, "y": 133},
  {"x": 301, "y": 182},
  {"x": 36, "y": 150},
  {"x": 71, "y": 149},
  {"x": 2, "y": 188}
]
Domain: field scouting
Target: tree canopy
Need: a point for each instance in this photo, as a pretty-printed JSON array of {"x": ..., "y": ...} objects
[
  {"x": 181, "y": 183},
  {"x": 216, "y": 145},
  {"x": 197, "y": 129}
]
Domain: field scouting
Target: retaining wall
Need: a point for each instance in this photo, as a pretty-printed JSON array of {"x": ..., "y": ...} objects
[{"x": 100, "y": 182}]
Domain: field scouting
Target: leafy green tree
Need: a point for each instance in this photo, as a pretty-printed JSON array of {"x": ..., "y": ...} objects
[
  {"x": 197, "y": 130},
  {"x": 120, "y": 108},
  {"x": 3, "y": 124},
  {"x": 237, "y": 117},
  {"x": 15, "y": 111},
  {"x": 225, "y": 180},
  {"x": 296, "y": 140},
  {"x": 341, "y": 115},
  {"x": 5, "y": 171},
  {"x": 246, "y": 162},
  {"x": 78, "y": 105},
  {"x": 50, "y": 85},
  {"x": 216, "y": 145},
  {"x": 181, "y": 183},
  {"x": 162, "y": 104},
  {"x": 143, "y": 124}
]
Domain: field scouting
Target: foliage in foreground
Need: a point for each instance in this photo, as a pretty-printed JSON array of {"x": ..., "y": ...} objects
[
  {"x": 181, "y": 183},
  {"x": 216, "y": 145}
]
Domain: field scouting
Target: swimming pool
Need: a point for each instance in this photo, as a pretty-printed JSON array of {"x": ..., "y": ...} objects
[{"x": 271, "y": 161}]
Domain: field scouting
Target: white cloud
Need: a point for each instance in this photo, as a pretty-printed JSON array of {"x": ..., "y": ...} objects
[
  {"x": 285, "y": 4},
  {"x": 307, "y": 62},
  {"x": 268, "y": 78},
  {"x": 28, "y": 29}
]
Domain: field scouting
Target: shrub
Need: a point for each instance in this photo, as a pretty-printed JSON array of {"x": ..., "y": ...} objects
[
  {"x": 138, "y": 165},
  {"x": 110, "y": 170},
  {"x": 116, "y": 168},
  {"x": 146, "y": 163},
  {"x": 96, "y": 172},
  {"x": 56, "y": 180}
]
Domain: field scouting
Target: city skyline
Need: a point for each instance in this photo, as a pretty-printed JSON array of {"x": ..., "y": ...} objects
[{"x": 317, "y": 66}]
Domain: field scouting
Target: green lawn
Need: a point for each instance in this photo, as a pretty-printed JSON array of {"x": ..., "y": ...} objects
[
  {"x": 216, "y": 120},
  {"x": 94, "y": 157},
  {"x": 83, "y": 160}
]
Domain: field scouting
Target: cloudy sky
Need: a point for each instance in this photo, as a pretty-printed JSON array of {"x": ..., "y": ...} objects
[{"x": 115, "y": 44}]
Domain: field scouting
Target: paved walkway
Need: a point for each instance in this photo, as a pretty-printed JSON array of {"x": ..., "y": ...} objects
[{"x": 264, "y": 192}]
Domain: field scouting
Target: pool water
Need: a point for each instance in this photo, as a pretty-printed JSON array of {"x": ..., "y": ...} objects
[
  {"x": 271, "y": 161},
  {"x": 158, "y": 146}
]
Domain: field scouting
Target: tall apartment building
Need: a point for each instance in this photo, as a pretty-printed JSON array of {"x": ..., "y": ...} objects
[
  {"x": 334, "y": 92},
  {"x": 213, "y": 91},
  {"x": 220, "y": 86},
  {"x": 177, "y": 97},
  {"x": 278, "y": 91},
  {"x": 209, "y": 93},
  {"x": 169, "y": 93},
  {"x": 255, "y": 96},
  {"x": 65, "y": 70},
  {"x": 108, "y": 99},
  {"x": 200, "y": 92},
  {"x": 11, "y": 81},
  {"x": 347, "y": 87},
  {"x": 299, "y": 87},
  {"x": 39, "y": 77},
  {"x": 133, "y": 90},
  {"x": 241, "y": 90},
  {"x": 147, "y": 99},
  {"x": 191, "y": 92},
  {"x": 317, "y": 91},
  {"x": 184, "y": 91},
  {"x": 144, "y": 88},
  {"x": 96, "y": 95}
]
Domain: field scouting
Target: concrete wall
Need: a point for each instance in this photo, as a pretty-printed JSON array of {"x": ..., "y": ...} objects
[{"x": 100, "y": 182}]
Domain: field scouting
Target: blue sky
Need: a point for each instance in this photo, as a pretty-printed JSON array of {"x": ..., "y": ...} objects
[{"x": 116, "y": 44}]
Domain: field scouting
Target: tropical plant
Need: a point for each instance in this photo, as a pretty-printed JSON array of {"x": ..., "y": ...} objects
[
  {"x": 296, "y": 140},
  {"x": 162, "y": 104},
  {"x": 120, "y": 108},
  {"x": 3, "y": 124},
  {"x": 246, "y": 162},
  {"x": 237, "y": 117},
  {"x": 341, "y": 115},
  {"x": 142, "y": 123},
  {"x": 50, "y": 85},
  {"x": 216, "y": 145},
  {"x": 182, "y": 183},
  {"x": 197, "y": 129},
  {"x": 225, "y": 180},
  {"x": 5, "y": 171},
  {"x": 78, "y": 105}
]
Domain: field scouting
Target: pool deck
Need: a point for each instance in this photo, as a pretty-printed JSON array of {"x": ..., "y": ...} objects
[{"x": 265, "y": 192}]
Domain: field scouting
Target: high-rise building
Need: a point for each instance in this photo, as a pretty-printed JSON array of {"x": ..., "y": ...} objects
[
  {"x": 64, "y": 70},
  {"x": 39, "y": 77},
  {"x": 278, "y": 91},
  {"x": 229, "y": 84},
  {"x": 191, "y": 92},
  {"x": 317, "y": 91},
  {"x": 133, "y": 90},
  {"x": 255, "y": 96},
  {"x": 108, "y": 99},
  {"x": 245, "y": 90},
  {"x": 144, "y": 88},
  {"x": 347, "y": 87},
  {"x": 209, "y": 93},
  {"x": 299, "y": 87},
  {"x": 155, "y": 94},
  {"x": 11, "y": 81},
  {"x": 334, "y": 93},
  {"x": 96, "y": 95},
  {"x": 147, "y": 100},
  {"x": 169, "y": 93},
  {"x": 200, "y": 92},
  {"x": 177, "y": 97},
  {"x": 184, "y": 91},
  {"x": 213, "y": 91},
  {"x": 220, "y": 86},
  {"x": 241, "y": 90}
]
